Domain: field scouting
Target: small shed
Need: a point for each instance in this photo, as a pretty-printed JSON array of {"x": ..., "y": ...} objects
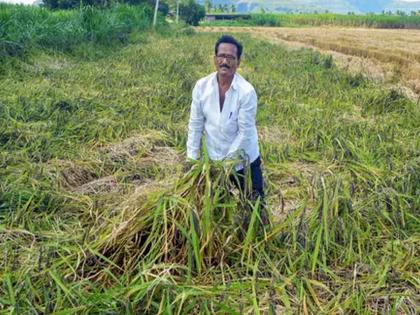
[{"x": 226, "y": 16}]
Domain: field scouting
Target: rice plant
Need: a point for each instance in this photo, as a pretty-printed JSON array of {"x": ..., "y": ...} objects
[{"x": 99, "y": 215}]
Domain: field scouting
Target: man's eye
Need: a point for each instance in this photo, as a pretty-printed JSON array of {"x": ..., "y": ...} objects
[{"x": 228, "y": 57}]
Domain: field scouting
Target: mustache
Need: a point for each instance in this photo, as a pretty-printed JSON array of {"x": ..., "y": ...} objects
[{"x": 224, "y": 66}]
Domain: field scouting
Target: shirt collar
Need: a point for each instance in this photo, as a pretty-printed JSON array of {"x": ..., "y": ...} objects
[
  {"x": 235, "y": 81},
  {"x": 234, "y": 84}
]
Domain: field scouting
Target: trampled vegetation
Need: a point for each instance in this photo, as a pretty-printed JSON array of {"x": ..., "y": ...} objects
[
  {"x": 312, "y": 19},
  {"x": 376, "y": 53},
  {"x": 98, "y": 215}
]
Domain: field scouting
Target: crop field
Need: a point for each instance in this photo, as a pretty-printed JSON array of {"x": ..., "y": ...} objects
[
  {"x": 25, "y": 28},
  {"x": 319, "y": 19},
  {"x": 388, "y": 56},
  {"x": 98, "y": 214}
]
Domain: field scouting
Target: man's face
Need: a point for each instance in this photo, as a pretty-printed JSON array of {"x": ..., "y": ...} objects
[{"x": 226, "y": 59}]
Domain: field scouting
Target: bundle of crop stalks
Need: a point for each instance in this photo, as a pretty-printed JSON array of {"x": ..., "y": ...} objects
[{"x": 201, "y": 223}]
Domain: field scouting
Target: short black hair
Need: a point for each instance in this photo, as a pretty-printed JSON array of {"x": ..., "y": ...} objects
[{"x": 229, "y": 40}]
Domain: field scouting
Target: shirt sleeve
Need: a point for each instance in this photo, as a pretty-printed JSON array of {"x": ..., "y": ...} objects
[
  {"x": 246, "y": 121},
  {"x": 195, "y": 126}
]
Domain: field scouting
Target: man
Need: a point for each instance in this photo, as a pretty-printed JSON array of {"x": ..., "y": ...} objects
[{"x": 224, "y": 106}]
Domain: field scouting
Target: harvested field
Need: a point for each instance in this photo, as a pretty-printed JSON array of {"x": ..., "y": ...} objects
[{"x": 390, "y": 56}]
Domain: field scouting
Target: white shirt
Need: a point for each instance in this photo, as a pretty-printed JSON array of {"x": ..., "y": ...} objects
[{"x": 226, "y": 132}]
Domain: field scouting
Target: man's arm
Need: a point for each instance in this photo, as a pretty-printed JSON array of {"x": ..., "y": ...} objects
[
  {"x": 195, "y": 126},
  {"x": 246, "y": 121}
]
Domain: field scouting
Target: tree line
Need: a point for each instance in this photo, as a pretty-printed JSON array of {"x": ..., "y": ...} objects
[
  {"x": 189, "y": 10},
  {"x": 221, "y": 8}
]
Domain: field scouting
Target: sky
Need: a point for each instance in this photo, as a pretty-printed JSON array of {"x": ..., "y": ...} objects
[{"x": 18, "y": 1}]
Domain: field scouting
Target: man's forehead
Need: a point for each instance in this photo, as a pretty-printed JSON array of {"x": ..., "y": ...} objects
[{"x": 227, "y": 47}]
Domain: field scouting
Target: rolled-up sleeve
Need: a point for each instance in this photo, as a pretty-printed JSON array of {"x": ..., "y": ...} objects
[
  {"x": 195, "y": 126},
  {"x": 246, "y": 123}
]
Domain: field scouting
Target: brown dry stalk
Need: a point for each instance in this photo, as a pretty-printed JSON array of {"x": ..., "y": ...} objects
[{"x": 386, "y": 55}]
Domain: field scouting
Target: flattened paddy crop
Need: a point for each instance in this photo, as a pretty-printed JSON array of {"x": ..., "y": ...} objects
[{"x": 99, "y": 216}]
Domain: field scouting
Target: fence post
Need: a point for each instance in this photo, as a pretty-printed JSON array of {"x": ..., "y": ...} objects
[
  {"x": 177, "y": 11},
  {"x": 156, "y": 11}
]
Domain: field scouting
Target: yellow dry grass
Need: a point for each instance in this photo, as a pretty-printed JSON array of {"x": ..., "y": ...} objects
[{"x": 387, "y": 55}]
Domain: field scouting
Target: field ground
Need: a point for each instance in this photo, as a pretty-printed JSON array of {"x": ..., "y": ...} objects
[
  {"x": 97, "y": 215},
  {"x": 390, "y": 56}
]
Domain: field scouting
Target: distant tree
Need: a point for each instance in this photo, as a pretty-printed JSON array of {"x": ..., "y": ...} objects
[
  {"x": 207, "y": 5},
  {"x": 225, "y": 8},
  {"x": 163, "y": 5},
  {"x": 57, "y": 4},
  {"x": 233, "y": 8},
  {"x": 220, "y": 8},
  {"x": 191, "y": 12}
]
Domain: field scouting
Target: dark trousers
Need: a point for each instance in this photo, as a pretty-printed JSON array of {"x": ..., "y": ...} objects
[{"x": 256, "y": 177}]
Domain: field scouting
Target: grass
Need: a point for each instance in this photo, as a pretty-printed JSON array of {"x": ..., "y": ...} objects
[
  {"x": 312, "y": 19},
  {"x": 23, "y": 28},
  {"x": 98, "y": 216}
]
